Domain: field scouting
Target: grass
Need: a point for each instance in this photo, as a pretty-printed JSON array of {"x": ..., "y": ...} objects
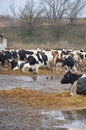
[{"x": 59, "y": 36}]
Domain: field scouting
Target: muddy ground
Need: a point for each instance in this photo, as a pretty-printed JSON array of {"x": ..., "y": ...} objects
[{"x": 26, "y": 104}]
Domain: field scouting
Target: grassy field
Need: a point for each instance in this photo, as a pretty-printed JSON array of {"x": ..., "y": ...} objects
[{"x": 44, "y": 36}]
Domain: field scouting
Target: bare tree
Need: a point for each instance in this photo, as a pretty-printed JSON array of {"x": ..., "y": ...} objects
[
  {"x": 13, "y": 8},
  {"x": 55, "y": 9},
  {"x": 30, "y": 14},
  {"x": 76, "y": 8}
]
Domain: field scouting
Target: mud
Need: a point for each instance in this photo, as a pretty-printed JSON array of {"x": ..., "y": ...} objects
[
  {"x": 23, "y": 117},
  {"x": 44, "y": 104},
  {"x": 12, "y": 81}
]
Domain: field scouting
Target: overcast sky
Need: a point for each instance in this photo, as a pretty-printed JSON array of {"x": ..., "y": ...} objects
[
  {"x": 4, "y": 5},
  {"x": 5, "y": 10}
]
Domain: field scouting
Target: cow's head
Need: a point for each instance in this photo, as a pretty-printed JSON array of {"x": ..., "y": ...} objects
[
  {"x": 57, "y": 55},
  {"x": 67, "y": 78},
  {"x": 65, "y": 60}
]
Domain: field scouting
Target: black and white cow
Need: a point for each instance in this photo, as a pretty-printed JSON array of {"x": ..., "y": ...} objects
[
  {"x": 34, "y": 62},
  {"x": 68, "y": 62},
  {"x": 22, "y": 53},
  {"x": 78, "y": 82},
  {"x": 2, "y": 59},
  {"x": 5, "y": 56}
]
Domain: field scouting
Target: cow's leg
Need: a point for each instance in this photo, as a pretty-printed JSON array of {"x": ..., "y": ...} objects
[
  {"x": 34, "y": 76},
  {"x": 59, "y": 68},
  {"x": 73, "y": 89},
  {"x": 50, "y": 71},
  {"x": 35, "y": 71},
  {"x": 2, "y": 65}
]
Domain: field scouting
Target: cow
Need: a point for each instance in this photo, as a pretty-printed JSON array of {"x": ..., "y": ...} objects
[
  {"x": 22, "y": 53},
  {"x": 2, "y": 59},
  {"x": 78, "y": 82},
  {"x": 57, "y": 55},
  {"x": 63, "y": 59},
  {"x": 14, "y": 54},
  {"x": 68, "y": 62},
  {"x": 34, "y": 62},
  {"x": 5, "y": 56},
  {"x": 81, "y": 60}
]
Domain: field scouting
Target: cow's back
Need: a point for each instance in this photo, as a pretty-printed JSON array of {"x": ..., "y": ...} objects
[{"x": 81, "y": 86}]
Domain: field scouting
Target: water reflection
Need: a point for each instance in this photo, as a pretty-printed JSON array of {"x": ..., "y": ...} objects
[
  {"x": 70, "y": 120},
  {"x": 28, "y": 118},
  {"x": 13, "y": 81}
]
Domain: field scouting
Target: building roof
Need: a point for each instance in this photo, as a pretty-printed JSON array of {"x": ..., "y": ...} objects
[{"x": 1, "y": 35}]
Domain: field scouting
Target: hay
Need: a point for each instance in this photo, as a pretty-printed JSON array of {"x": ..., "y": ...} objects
[
  {"x": 39, "y": 99},
  {"x": 43, "y": 100},
  {"x": 42, "y": 71}
]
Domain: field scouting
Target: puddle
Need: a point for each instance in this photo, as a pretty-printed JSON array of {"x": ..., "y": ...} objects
[
  {"x": 64, "y": 119},
  {"x": 42, "y": 84},
  {"x": 22, "y": 117}
]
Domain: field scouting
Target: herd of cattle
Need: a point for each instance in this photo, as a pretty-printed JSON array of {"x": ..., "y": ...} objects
[{"x": 33, "y": 60}]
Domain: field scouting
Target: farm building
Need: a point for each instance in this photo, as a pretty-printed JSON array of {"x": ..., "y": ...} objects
[{"x": 3, "y": 42}]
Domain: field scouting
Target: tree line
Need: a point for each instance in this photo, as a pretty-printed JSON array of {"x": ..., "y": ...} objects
[{"x": 51, "y": 11}]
